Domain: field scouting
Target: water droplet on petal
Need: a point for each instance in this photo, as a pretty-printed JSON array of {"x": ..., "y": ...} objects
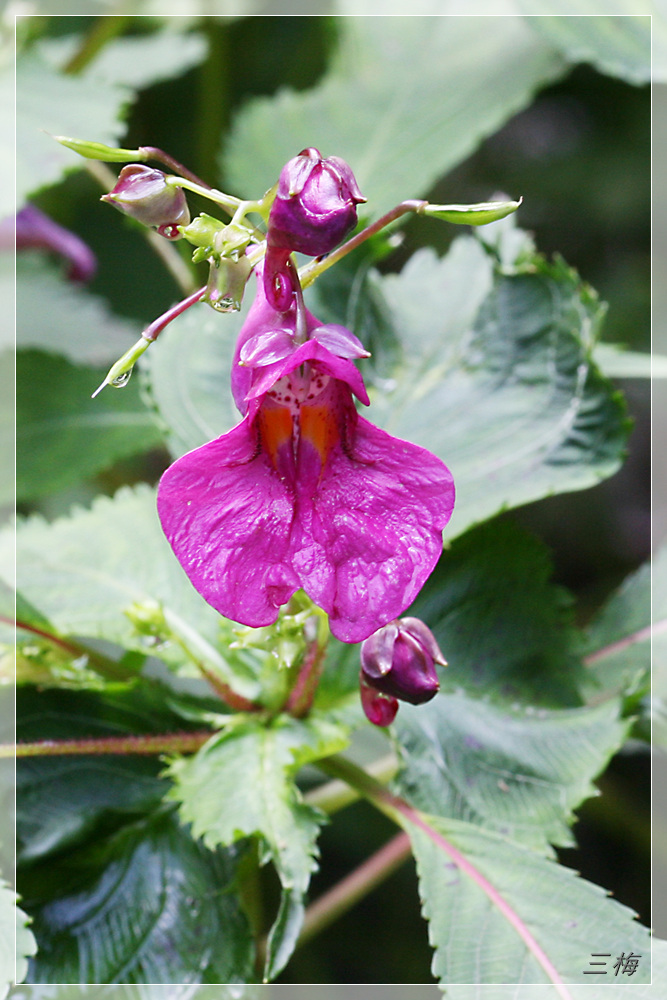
[{"x": 122, "y": 380}]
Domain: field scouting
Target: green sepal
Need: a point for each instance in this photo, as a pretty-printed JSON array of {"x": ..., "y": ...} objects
[
  {"x": 471, "y": 215},
  {"x": 98, "y": 150}
]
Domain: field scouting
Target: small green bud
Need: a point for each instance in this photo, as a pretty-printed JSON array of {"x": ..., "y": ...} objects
[
  {"x": 471, "y": 215},
  {"x": 202, "y": 231},
  {"x": 98, "y": 151},
  {"x": 226, "y": 283},
  {"x": 119, "y": 374}
]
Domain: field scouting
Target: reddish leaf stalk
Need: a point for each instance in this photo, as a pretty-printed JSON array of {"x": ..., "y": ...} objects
[
  {"x": 154, "y": 153},
  {"x": 154, "y": 329},
  {"x": 313, "y": 270},
  {"x": 355, "y": 886},
  {"x": 642, "y": 634},
  {"x": 227, "y": 693},
  {"x": 301, "y": 696},
  {"x": 152, "y": 743}
]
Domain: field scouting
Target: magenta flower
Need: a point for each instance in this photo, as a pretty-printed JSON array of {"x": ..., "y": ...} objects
[{"x": 305, "y": 493}]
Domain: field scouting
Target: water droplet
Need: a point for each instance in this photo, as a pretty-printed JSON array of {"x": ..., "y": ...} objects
[
  {"x": 121, "y": 380},
  {"x": 224, "y": 304}
]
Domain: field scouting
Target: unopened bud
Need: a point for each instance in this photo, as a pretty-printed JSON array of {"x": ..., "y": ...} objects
[
  {"x": 143, "y": 193},
  {"x": 399, "y": 661},
  {"x": 380, "y": 709},
  {"x": 315, "y": 204}
]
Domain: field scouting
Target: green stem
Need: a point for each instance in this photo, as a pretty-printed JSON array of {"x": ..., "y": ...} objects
[
  {"x": 311, "y": 271},
  {"x": 226, "y": 201},
  {"x": 336, "y": 795},
  {"x": 354, "y": 887},
  {"x": 102, "y": 31},
  {"x": 403, "y": 814},
  {"x": 154, "y": 743}
]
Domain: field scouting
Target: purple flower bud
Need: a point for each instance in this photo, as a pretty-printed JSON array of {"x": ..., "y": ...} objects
[
  {"x": 399, "y": 660},
  {"x": 315, "y": 205},
  {"x": 380, "y": 709},
  {"x": 143, "y": 193}
]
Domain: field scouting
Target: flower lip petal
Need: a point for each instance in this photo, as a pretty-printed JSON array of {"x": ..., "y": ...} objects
[
  {"x": 340, "y": 341},
  {"x": 339, "y": 368},
  {"x": 266, "y": 347}
]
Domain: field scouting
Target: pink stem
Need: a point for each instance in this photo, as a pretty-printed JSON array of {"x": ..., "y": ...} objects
[
  {"x": 154, "y": 329},
  {"x": 656, "y": 628}
]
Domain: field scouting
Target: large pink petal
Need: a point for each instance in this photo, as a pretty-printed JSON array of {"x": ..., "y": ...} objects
[
  {"x": 228, "y": 517},
  {"x": 368, "y": 538}
]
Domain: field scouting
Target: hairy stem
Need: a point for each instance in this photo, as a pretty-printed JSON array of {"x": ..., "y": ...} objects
[
  {"x": 102, "y": 664},
  {"x": 225, "y": 692},
  {"x": 152, "y": 743}
]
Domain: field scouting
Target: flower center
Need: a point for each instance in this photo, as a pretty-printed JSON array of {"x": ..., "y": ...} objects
[{"x": 299, "y": 423}]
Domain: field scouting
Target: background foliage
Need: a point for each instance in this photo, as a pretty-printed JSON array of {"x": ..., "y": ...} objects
[{"x": 485, "y": 349}]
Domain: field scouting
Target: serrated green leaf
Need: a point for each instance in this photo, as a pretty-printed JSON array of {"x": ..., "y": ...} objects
[
  {"x": 511, "y": 402},
  {"x": 17, "y": 942},
  {"x": 408, "y": 128},
  {"x": 618, "y": 640},
  {"x": 56, "y": 315},
  {"x": 499, "y": 913},
  {"x": 146, "y": 905},
  {"x": 63, "y": 436},
  {"x": 86, "y": 572},
  {"x": 50, "y": 102},
  {"x": 241, "y": 784},
  {"x": 519, "y": 772},
  {"x": 504, "y": 628},
  {"x": 63, "y": 800},
  {"x": 610, "y": 987},
  {"x": 616, "y": 45}
]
